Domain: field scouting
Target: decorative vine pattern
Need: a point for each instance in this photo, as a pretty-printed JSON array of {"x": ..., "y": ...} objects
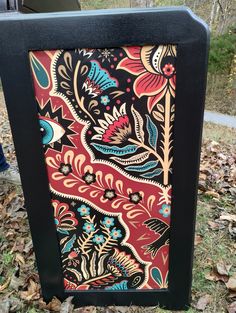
[{"x": 106, "y": 118}]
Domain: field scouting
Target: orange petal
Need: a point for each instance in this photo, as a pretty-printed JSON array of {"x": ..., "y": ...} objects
[
  {"x": 152, "y": 101},
  {"x": 133, "y": 52},
  {"x": 149, "y": 84},
  {"x": 132, "y": 66}
]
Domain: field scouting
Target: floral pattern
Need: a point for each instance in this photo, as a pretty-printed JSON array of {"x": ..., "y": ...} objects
[
  {"x": 155, "y": 68},
  {"x": 165, "y": 210},
  {"x": 115, "y": 128},
  {"x": 105, "y": 100},
  {"x": 65, "y": 169},
  {"x": 108, "y": 221},
  {"x": 89, "y": 178},
  {"x": 88, "y": 227},
  {"x": 107, "y": 134},
  {"x": 98, "y": 239},
  {"x": 135, "y": 197},
  {"x": 110, "y": 194},
  {"x": 83, "y": 210},
  {"x": 64, "y": 219}
]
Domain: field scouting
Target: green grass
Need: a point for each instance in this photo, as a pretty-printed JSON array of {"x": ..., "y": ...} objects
[
  {"x": 219, "y": 133},
  {"x": 101, "y": 4},
  {"x": 7, "y": 258},
  {"x": 215, "y": 247}
]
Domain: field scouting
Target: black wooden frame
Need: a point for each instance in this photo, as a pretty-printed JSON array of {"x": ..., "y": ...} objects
[{"x": 97, "y": 29}]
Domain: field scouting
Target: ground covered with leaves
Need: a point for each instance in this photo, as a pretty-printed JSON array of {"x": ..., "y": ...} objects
[{"x": 214, "y": 273}]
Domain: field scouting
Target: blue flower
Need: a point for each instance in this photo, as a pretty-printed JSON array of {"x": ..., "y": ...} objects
[
  {"x": 88, "y": 227},
  {"x": 108, "y": 221},
  {"x": 116, "y": 233},
  {"x": 98, "y": 239},
  {"x": 98, "y": 80},
  {"x": 83, "y": 210},
  {"x": 105, "y": 100},
  {"x": 165, "y": 210}
]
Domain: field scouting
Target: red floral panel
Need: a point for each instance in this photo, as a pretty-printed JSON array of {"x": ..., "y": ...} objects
[{"x": 106, "y": 118}]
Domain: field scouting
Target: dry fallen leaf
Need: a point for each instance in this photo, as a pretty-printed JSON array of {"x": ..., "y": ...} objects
[
  {"x": 232, "y": 294},
  {"x": 67, "y": 306},
  {"x": 19, "y": 259},
  {"x": 16, "y": 281},
  {"x": 19, "y": 245},
  {"x": 9, "y": 198},
  {"x": 212, "y": 193},
  {"x": 5, "y": 285},
  {"x": 28, "y": 247},
  {"x": 110, "y": 309},
  {"x": 231, "y": 284},
  {"x": 124, "y": 309},
  {"x": 213, "y": 225},
  {"x": 86, "y": 309},
  {"x": 223, "y": 269},
  {"x": 203, "y": 302},
  {"x": 213, "y": 146},
  {"x": 214, "y": 276},
  {"x": 32, "y": 293},
  {"x": 232, "y": 307},
  {"x": 228, "y": 217},
  {"x": 198, "y": 239},
  {"x": 53, "y": 306}
]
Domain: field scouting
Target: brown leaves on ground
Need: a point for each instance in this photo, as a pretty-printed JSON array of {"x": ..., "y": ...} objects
[
  {"x": 217, "y": 231},
  {"x": 217, "y": 169},
  {"x": 54, "y": 305},
  {"x": 223, "y": 269},
  {"x": 87, "y": 309},
  {"x": 32, "y": 292},
  {"x": 231, "y": 218},
  {"x": 203, "y": 302},
  {"x": 231, "y": 284},
  {"x": 198, "y": 239},
  {"x": 217, "y": 180},
  {"x": 219, "y": 273},
  {"x": 232, "y": 307}
]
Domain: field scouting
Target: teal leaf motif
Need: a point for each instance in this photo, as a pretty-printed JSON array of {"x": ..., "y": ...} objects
[
  {"x": 63, "y": 231},
  {"x": 156, "y": 275},
  {"x": 152, "y": 174},
  {"x": 142, "y": 168},
  {"x": 40, "y": 72},
  {"x": 123, "y": 285},
  {"x": 167, "y": 278},
  {"x": 67, "y": 247},
  {"x": 152, "y": 132},
  {"x": 114, "y": 149}
]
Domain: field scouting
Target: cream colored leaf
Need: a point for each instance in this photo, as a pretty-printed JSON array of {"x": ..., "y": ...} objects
[
  {"x": 136, "y": 159},
  {"x": 160, "y": 107},
  {"x": 158, "y": 116},
  {"x": 138, "y": 124}
]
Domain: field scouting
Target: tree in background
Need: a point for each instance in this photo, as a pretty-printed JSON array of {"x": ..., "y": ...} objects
[{"x": 141, "y": 3}]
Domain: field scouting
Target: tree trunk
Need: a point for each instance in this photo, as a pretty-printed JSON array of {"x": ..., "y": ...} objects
[
  {"x": 149, "y": 3},
  {"x": 212, "y": 14}
]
